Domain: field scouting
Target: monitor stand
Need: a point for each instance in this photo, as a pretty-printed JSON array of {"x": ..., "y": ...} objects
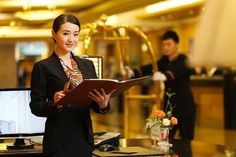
[{"x": 20, "y": 144}]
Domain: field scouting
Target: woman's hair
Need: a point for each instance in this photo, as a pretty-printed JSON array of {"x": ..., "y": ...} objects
[{"x": 63, "y": 18}]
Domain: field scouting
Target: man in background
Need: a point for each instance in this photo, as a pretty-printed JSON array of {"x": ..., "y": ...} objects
[{"x": 175, "y": 71}]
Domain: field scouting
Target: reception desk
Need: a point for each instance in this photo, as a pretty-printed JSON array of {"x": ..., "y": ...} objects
[
  {"x": 180, "y": 148},
  {"x": 208, "y": 94},
  {"x": 215, "y": 98},
  {"x": 183, "y": 148},
  {"x": 36, "y": 152}
]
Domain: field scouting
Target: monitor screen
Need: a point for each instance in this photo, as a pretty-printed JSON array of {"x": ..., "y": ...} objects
[{"x": 16, "y": 118}]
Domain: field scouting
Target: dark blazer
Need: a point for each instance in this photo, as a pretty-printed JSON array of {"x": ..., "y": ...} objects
[
  {"x": 68, "y": 132},
  {"x": 178, "y": 74}
]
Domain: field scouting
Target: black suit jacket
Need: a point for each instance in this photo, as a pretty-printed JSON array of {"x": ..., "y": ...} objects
[
  {"x": 67, "y": 132},
  {"x": 178, "y": 81}
]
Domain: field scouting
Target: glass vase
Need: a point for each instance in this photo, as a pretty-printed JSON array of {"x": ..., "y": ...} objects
[{"x": 159, "y": 135}]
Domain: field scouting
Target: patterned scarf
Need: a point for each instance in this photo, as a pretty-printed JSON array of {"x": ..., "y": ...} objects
[{"x": 74, "y": 74}]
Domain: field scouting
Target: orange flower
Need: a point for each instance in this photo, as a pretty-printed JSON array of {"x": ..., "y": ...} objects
[
  {"x": 159, "y": 114},
  {"x": 173, "y": 121},
  {"x": 175, "y": 155}
]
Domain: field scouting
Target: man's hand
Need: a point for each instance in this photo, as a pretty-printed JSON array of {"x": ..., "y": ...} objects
[
  {"x": 158, "y": 76},
  {"x": 127, "y": 71}
]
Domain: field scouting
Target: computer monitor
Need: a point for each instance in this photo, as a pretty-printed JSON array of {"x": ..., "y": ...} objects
[
  {"x": 98, "y": 64},
  {"x": 16, "y": 120}
]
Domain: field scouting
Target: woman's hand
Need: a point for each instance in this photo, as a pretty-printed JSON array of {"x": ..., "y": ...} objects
[
  {"x": 101, "y": 97},
  {"x": 57, "y": 96}
]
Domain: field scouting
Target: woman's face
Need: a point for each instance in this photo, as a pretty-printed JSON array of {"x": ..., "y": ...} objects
[
  {"x": 169, "y": 46},
  {"x": 67, "y": 37}
]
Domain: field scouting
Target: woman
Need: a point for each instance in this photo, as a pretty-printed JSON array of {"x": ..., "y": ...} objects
[{"x": 68, "y": 129}]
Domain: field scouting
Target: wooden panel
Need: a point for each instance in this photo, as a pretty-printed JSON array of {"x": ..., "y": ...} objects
[{"x": 210, "y": 108}]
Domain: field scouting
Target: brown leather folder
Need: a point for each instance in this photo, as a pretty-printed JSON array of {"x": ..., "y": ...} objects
[{"x": 79, "y": 95}]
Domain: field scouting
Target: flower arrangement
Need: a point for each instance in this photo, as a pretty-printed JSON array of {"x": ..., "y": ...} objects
[{"x": 161, "y": 118}]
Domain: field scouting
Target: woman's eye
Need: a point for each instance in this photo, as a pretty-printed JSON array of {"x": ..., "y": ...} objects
[
  {"x": 76, "y": 35},
  {"x": 65, "y": 33}
]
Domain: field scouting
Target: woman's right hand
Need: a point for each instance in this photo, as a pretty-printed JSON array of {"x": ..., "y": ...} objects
[{"x": 57, "y": 96}]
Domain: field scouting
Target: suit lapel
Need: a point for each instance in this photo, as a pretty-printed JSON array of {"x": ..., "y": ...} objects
[
  {"x": 85, "y": 70},
  {"x": 82, "y": 67},
  {"x": 58, "y": 67}
]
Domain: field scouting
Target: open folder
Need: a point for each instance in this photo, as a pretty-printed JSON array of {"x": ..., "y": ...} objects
[{"x": 79, "y": 95}]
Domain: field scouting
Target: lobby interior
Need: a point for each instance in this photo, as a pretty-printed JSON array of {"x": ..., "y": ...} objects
[{"x": 25, "y": 37}]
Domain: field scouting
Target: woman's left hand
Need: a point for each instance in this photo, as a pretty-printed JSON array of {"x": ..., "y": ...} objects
[{"x": 101, "y": 97}]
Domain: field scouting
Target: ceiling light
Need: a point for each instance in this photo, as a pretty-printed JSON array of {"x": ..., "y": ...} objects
[
  {"x": 5, "y": 16},
  {"x": 170, "y": 4},
  {"x": 12, "y": 24},
  {"x": 8, "y": 32},
  {"x": 38, "y": 15},
  {"x": 28, "y": 4},
  {"x": 112, "y": 20}
]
